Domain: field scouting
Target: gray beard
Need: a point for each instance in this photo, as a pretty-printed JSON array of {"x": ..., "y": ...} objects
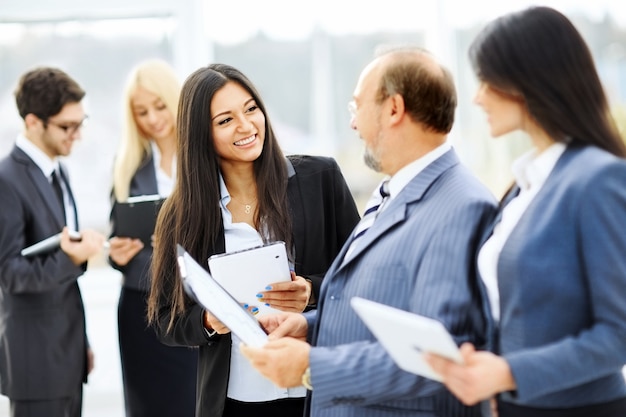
[{"x": 371, "y": 161}]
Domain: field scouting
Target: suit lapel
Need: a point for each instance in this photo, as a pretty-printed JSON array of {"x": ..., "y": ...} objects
[
  {"x": 144, "y": 181},
  {"x": 42, "y": 185},
  {"x": 396, "y": 211}
]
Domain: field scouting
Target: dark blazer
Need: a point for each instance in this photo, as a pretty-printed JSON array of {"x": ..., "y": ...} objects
[
  {"x": 323, "y": 216},
  {"x": 136, "y": 273},
  {"x": 419, "y": 256},
  {"x": 42, "y": 322},
  {"x": 562, "y": 283}
]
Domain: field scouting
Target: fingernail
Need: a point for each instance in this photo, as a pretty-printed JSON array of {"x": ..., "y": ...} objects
[
  {"x": 259, "y": 296},
  {"x": 245, "y": 306},
  {"x": 267, "y": 305},
  {"x": 269, "y": 287},
  {"x": 255, "y": 310}
]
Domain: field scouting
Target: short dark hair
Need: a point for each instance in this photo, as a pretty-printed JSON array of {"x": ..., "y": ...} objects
[
  {"x": 539, "y": 56},
  {"x": 428, "y": 91},
  {"x": 44, "y": 91}
]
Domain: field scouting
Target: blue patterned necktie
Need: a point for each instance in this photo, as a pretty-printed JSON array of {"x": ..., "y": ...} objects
[{"x": 371, "y": 211}]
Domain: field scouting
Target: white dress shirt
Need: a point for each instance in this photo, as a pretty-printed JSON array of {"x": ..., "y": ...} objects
[
  {"x": 530, "y": 171},
  {"x": 410, "y": 171},
  {"x": 246, "y": 383},
  {"x": 165, "y": 183}
]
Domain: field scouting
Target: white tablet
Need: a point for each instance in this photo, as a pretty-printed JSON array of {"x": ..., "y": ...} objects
[
  {"x": 246, "y": 273},
  {"x": 201, "y": 287},
  {"x": 405, "y": 335}
]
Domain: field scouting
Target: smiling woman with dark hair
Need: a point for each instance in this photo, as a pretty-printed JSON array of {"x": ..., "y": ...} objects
[{"x": 236, "y": 190}]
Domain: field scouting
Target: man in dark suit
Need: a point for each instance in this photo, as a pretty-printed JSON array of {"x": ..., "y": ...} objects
[
  {"x": 44, "y": 352},
  {"x": 418, "y": 254}
]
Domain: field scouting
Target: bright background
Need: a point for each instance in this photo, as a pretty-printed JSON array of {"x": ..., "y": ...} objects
[{"x": 305, "y": 58}]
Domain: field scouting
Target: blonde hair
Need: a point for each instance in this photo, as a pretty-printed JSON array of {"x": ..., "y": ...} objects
[{"x": 159, "y": 78}]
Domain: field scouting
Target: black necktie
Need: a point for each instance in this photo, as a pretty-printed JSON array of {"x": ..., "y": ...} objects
[{"x": 58, "y": 190}]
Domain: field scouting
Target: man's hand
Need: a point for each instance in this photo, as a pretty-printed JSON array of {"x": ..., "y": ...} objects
[
  {"x": 282, "y": 361},
  {"x": 284, "y": 325},
  {"x": 79, "y": 251},
  {"x": 90, "y": 360}
]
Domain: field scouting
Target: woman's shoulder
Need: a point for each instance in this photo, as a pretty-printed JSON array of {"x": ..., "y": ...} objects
[
  {"x": 587, "y": 168},
  {"x": 591, "y": 160},
  {"x": 312, "y": 163}
]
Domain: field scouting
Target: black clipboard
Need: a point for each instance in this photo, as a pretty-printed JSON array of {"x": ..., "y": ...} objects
[{"x": 136, "y": 217}]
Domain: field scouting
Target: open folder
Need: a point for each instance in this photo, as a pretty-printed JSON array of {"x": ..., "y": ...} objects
[
  {"x": 405, "y": 336},
  {"x": 208, "y": 293}
]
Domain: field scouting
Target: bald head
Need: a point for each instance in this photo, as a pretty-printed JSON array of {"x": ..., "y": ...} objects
[{"x": 426, "y": 86}]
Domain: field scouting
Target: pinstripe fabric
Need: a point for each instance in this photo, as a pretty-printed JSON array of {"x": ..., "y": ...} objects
[
  {"x": 369, "y": 215},
  {"x": 419, "y": 255}
]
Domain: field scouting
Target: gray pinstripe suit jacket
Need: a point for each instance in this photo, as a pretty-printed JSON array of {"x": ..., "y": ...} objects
[{"x": 419, "y": 256}]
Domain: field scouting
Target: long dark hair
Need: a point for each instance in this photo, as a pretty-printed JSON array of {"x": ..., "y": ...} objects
[
  {"x": 538, "y": 54},
  {"x": 191, "y": 216}
]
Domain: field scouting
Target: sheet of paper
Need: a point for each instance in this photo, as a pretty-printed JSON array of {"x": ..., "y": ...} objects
[
  {"x": 405, "y": 336},
  {"x": 201, "y": 286},
  {"x": 246, "y": 273}
]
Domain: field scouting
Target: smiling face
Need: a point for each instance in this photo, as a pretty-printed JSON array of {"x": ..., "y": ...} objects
[
  {"x": 505, "y": 112},
  {"x": 153, "y": 117},
  {"x": 238, "y": 124}
]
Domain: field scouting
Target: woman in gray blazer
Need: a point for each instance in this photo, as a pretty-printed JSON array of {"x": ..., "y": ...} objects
[{"x": 554, "y": 267}]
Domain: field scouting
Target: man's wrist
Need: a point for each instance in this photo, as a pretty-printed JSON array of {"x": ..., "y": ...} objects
[{"x": 306, "y": 379}]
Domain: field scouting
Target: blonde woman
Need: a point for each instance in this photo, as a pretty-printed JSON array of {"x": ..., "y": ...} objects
[{"x": 158, "y": 380}]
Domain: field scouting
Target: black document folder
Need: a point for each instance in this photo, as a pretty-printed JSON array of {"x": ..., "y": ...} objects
[{"x": 136, "y": 217}]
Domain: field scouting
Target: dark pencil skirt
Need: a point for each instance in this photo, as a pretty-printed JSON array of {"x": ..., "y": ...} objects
[
  {"x": 159, "y": 380},
  {"x": 287, "y": 407}
]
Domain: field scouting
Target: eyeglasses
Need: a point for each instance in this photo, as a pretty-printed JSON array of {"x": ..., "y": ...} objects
[
  {"x": 352, "y": 108},
  {"x": 68, "y": 127}
]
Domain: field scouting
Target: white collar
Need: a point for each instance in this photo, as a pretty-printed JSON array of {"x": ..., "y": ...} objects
[
  {"x": 410, "y": 171},
  {"x": 38, "y": 156},
  {"x": 532, "y": 169}
]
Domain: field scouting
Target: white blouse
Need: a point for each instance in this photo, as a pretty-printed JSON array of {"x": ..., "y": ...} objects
[
  {"x": 246, "y": 383},
  {"x": 531, "y": 171},
  {"x": 165, "y": 183}
]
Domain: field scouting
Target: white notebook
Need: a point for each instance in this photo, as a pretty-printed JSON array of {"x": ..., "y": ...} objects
[
  {"x": 200, "y": 286},
  {"x": 246, "y": 273},
  {"x": 405, "y": 335}
]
